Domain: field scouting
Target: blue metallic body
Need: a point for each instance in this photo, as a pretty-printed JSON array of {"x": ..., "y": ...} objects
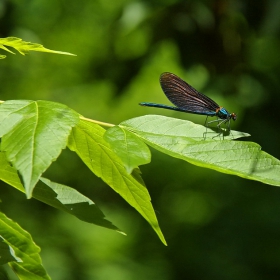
[{"x": 187, "y": 99}]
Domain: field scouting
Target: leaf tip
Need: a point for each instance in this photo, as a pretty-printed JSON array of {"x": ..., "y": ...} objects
[{"x": 121, "y": 232}]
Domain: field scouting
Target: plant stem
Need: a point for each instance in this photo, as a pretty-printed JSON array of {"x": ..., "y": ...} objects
[{"x": 97, "y": 122}]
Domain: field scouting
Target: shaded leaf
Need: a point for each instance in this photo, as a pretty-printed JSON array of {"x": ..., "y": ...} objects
[
  {"x": 3, "y": 273},
  {"x": 87, "y": 141},
  {"x": 8, "y": 174},
  {"x": 244, "y": 159},
  {"x": 71, "y": 201},
  {"x": 24, "y": 47},
  {"x": 33, "y": 135},
  {"x": 59, "y": 196},
  {"x": 130, "y": 149},
  {"x": 29, "y": 264},
  {"x": 6, "y": 253}
]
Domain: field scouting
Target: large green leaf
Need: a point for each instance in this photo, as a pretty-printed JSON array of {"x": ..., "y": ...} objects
[
  {"x": 130, "y": 149},
  {"x": 33, "y": 135},
  {"x": 24, "y": 47},
  {"x": 179, "y": 139},
  {"x": 161, "y": 125},
  {"x": 87, "y": 141},
  {"x": 59, "y": 196},
  {"x": 28, "y": 265}
]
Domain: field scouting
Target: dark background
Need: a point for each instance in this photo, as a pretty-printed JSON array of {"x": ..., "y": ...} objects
[{"x": 217, "y": 226}]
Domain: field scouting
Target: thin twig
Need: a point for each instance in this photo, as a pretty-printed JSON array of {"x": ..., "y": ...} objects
[{"x": 97, "y": 122}]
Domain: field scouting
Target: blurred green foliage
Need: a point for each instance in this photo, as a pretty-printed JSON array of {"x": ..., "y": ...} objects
[{"x": 217, "y": 226}]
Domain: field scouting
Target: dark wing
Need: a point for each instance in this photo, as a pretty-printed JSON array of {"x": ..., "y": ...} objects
[{"x": 184, "y": 96}]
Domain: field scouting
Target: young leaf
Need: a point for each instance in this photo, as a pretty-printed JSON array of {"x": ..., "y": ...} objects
[
  {"x": 87, "y": 141},
  {"x": 33, "y": 135},
  {"x": 28, "y": 265},
  {"x": 244, "y": 159},
  {"x": 24, "y": 47},
  {"x": 130, "y": 149}
]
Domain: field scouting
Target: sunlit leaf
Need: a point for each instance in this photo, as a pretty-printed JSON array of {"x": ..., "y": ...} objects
[
  {"x": 87, "y": 141},
  {"x": 244, "y": 159},
  {"x": 130, "y": 149},
  {"x": 29, "y": 264},
  {"x": 24, "y": 47},
  {"x": 161, "y": 125},
  {"x": 33, "y": 135}
]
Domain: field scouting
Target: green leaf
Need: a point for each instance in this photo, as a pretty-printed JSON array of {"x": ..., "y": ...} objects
[
  {"x": 59, "y": 196},
  {"x": 87, "y": 141},
  {"x": 161, "y": 125},
  {"x": 71, "y": 201},
  {"x": 244, "y": 159},
  {"x": 130, "y": 149},
  {"x": 29, "y": 264},
  {"x": 24, "y": 47},
  {"x": 3, "y": 273},
  {"x": 33, "y": 135},
  {"x": 8, "y": 174},
  {"x": 6, "y": 253}
]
